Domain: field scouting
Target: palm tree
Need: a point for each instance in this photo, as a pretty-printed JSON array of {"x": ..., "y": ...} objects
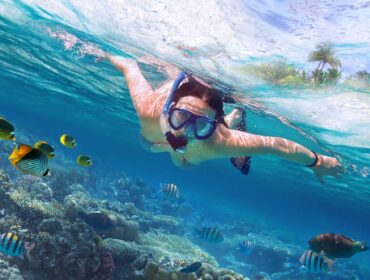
[{"x": 325, "y": 55}]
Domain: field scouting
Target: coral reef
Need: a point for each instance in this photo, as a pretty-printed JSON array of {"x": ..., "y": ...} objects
[
  {"x": 68, "y": 254},
  {"x": 180, "y": 250},
  {"x": 127, "y": 190},
  {"x": 154, "y": 272},
  {"x": 53, "y": 226},
  {"x": 35, "y": 185},
  {"x": 206, "y": 272},
  {"x": 106, "y": 269},
  {"x": 8, "y": 271},
  {"x": 148, "y": 237},
  {"x": 125, "y": 230},
  {"x": 171, "y": 252},
  {"x": 80, "y": 201},
  {"x": 68, "y": 248},
  {"x": 34, "y": 207},
  {"x": 4, "y": 181},
  {"x": 267, "y": 253}
]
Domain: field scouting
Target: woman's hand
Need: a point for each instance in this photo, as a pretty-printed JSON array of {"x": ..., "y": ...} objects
[
  {"x": 327, "y": 166},
  {"x": 122, "y": 63}
]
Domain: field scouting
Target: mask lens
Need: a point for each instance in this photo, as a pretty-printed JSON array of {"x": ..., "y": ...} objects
[
  {"x": 178, "y": 118},
  {"x": 203, "y": 127}
]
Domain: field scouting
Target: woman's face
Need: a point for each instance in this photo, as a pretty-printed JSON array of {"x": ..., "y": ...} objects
[{"x": 196, "y": 106}]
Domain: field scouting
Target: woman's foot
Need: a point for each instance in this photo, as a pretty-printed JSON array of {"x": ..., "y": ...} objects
[
  {"x": 237, "y": 119},
  {"x": 242, "y": 163}
]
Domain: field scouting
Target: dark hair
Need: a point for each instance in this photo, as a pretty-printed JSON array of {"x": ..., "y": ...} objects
[{"x": 213, "y": 97}]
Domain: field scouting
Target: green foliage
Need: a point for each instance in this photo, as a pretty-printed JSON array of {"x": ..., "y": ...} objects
[
  {"x": 332, "y": 76},
  {"x": 364, "y": 76},
  {"x": 279, "y": 73},
  {"x": 326, "y": 78},
  {"x": 282, "y": 73},
  {"x": 359, "y": 80}
]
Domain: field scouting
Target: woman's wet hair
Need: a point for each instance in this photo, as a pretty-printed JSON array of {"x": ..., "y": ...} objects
[{"x": 213, "y": 97}]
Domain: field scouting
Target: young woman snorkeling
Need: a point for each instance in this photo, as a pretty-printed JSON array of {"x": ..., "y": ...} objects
[{"x": 185, "y": 117}]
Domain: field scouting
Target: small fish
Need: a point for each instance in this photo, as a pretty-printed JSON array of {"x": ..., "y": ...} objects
[
  {"x": 6, "y": 130},
  {"x": 170, "y": 190},
  {"x": 247, "y": 246},
  {"x": 336, "y": 246},
  {"x": 99, "y": 221},
  {"x": 194, "y": 267},
  {"x": 46, "y": 148},
  {"x": 2, "y": 212},
  {"x": 68, "y": 141},
  {"x": 84, "y": 161},
  {"x": 30, "y": 160},
  {"x": 12, "y": 245},
  {"x": 210, "y": 234},
  {"x": 313, "y": 262}
]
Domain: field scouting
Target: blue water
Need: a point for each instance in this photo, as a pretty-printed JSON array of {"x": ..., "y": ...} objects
[{"x": 47, "y": 89}]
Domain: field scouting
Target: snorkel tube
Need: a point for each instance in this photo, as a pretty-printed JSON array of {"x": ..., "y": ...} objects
[{"x": 178, "y": 144}]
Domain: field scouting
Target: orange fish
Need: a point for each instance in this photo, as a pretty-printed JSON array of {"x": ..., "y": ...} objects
[{"x": 30, "y": 160}]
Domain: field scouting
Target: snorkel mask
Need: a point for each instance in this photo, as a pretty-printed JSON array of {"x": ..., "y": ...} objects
[{"x": 175, "y": 119}]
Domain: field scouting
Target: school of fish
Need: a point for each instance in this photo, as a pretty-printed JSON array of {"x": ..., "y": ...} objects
[{"x": 34, "y": 160}]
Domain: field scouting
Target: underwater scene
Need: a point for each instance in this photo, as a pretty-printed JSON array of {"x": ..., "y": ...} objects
[{"x": 165, "y": 140}]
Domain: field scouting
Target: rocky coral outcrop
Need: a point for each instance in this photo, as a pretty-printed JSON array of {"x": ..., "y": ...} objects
[
  {"x": 206, "y": 272},
  {"x": 80, "y": 202},
  {"x": 170, "y": 252},
  {"x": 173, "y": 251},
  {"x": 267, "y": 253},
  {"x": 8, "y": 271},
  {"x": 70, "y": 253},
  {"x": 107, "y": 267},
  {"x": 125, "y": 190}
]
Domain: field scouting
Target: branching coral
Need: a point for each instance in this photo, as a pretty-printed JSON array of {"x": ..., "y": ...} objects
[
  {"x": 178, "y": 249},
  {"x": 28, "y": 202}
]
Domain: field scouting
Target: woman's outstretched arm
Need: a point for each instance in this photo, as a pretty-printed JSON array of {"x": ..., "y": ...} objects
[
  {"x": 140, "y": 90},
  {"x": 235, "y": 143}
]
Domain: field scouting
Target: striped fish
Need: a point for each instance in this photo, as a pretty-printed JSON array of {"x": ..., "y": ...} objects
[
  {"x": 30, "y": 160},
  {"x": 12, "y": 245},
  {"x": 6, "y": 130},
  {"x": 210, "y": 234},
  {"x": 170, "y": 190},
  {"x": 314, "y": 262},
  {"x": 247, "y": 246},
  {"x": 46, "y": 148}
]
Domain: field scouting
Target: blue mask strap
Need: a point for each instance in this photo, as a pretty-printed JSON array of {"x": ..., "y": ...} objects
[{"x": 175, "y": 86}]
